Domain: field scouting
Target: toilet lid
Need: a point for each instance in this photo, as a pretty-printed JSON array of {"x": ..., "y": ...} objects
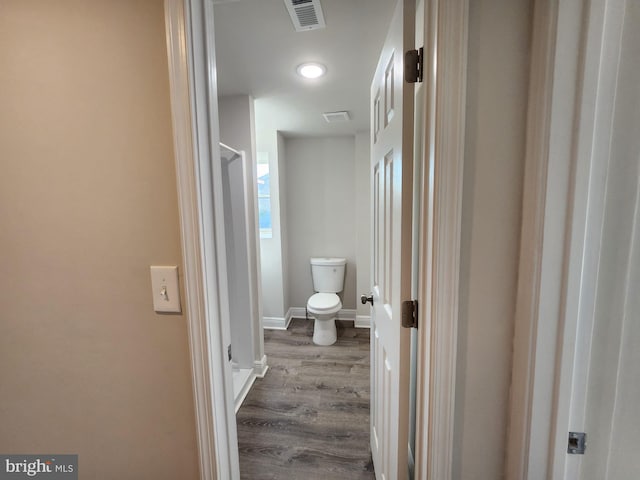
[{"x": 323, "y": 301}]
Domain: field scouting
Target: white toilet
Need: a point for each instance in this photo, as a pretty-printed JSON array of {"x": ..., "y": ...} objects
[{"x": 328, "y": 280}]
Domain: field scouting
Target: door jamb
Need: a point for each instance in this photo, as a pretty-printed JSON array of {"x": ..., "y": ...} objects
[
  {"x": 194, "y": 107},
  {"x": 602, "y": 37},
  {"x": 529, "y": 294},
  {"x": 445, "y": 50}
]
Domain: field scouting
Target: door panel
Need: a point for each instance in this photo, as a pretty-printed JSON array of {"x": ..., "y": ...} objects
[{"x": 391, "y": 174}]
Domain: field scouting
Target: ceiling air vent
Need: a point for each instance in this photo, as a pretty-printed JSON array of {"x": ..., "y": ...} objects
[
  {"x": 305, "y": 14},
  {"x": 335, "y": 117}
]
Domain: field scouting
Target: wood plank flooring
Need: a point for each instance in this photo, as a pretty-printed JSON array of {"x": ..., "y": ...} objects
[{"x": 309, "y": 417}]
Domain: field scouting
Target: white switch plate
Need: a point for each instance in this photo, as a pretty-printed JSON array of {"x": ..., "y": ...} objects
[{"x": 164, "y": 287}]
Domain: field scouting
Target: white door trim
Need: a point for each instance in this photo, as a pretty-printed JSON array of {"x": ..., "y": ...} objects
[
  {"x": 190, "y": 46},
  {"x": 445, "y": 50},
  {"x": 569, "y": 121},
  {"x": 533, "y": 219},
  {"x": 593, "y": 136}
]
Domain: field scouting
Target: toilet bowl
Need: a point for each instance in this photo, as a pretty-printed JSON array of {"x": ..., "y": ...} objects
[
  {"x": 328, "y": 279},
  {"x": 324, "y": 307}
]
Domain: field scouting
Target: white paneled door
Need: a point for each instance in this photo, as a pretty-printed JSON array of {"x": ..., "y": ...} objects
[{"x": 391, "y": 172}]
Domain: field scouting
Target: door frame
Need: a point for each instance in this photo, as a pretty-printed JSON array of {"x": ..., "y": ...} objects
[
  {"x": 191, "y": 53},
  {"x": 570, "y": 114},
  {"x": 443, "y": 141},
  {"x": 194, "y": 107}
]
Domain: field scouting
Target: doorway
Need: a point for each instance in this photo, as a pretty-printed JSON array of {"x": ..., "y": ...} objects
[
  {"x": 318, "y": 204},
  {"x": 197, "y": 177}
]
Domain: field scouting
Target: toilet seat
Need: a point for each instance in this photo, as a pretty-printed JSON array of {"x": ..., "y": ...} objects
[{"x": 324, "y": 303}]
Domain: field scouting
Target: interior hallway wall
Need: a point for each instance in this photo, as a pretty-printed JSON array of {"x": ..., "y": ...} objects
[
  {"x": 497, "y": 88},
  {"x": 362, "y": 217},
  {"x": 269, "y": 141},
  {"x": 320, "y": 211},
  {"x": 285, "y": 234},
  {"x": 237, "y": 123},
  {"x": 87, "y": 203}
]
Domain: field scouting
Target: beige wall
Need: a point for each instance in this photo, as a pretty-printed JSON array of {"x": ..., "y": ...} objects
[
  {"x": 87, "y": 203},
  {"x": 498, "y": 68}
]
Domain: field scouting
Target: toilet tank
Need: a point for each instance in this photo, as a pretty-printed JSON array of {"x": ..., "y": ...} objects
[{"x": 328, "y": 274}]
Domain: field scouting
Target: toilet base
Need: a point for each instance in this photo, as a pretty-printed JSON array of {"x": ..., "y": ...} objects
[{"x": 324, "y": 332}]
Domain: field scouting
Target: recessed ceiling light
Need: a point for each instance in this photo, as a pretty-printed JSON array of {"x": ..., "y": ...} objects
[{"x": 311, "y": 70}]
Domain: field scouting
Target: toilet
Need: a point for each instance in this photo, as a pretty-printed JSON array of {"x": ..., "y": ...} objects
[{"x": 328, "y": 279}]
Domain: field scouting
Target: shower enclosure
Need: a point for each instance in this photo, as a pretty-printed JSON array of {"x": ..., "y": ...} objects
[{"x": 243, "y": 277}]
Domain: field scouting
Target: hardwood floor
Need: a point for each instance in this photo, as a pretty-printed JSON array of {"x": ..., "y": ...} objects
[{"x": 308, "y": 418}]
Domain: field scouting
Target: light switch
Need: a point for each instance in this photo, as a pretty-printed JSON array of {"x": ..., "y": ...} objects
[{"x": 164, "y": 286}]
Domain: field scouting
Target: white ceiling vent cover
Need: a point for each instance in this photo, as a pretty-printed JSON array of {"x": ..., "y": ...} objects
[
  {"x": 305, "y": 14},
  {"x": 335, "y": 117}
]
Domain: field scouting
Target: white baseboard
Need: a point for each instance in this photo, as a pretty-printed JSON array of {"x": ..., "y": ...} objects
[
  {"x": 287, "y": 319},
  {"x": 260, "y": 367},
  {"x": 244, "y": 390},
  {"x": 277, "y": 323},
  {"x": 274, "y": 323},
  {"x": 362, "y": 321},
  {"x": 348, "y": 314},
  {"x": 344, "y": 314}
]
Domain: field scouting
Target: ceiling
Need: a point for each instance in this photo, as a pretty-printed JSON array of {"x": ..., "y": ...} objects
[{"x": 258, "y": 50}]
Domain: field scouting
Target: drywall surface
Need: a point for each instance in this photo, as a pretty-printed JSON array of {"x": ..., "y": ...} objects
[
  {"x": 272, "y": 275},
  {"x": 237, "y": 128},
  {"x": 320, "y": 208},
  {"x": 284, "y": 222},
  {"x": 362, "y": 219},
  {"x": 87, "y": 203}
]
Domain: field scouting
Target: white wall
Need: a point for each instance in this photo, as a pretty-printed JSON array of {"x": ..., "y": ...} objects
[
  {"x": 362, "y": 219},
  {"x": 282, "y": 262},
  {"x": 284, "y": 230},
  {"x": 272, "y": 274},
  {"x": 320, "y": 209},
  {"x": 286, "y": 275},
  {"x": 498, "y": 68},
  {"x": 237, "y": 123}
]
